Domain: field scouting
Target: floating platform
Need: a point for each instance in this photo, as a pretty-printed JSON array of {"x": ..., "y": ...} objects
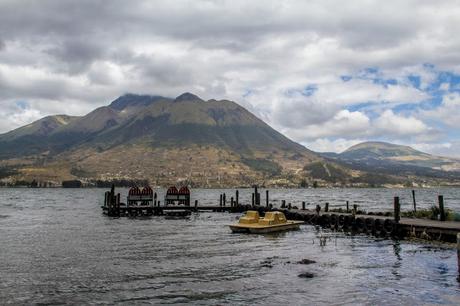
[{"x": 273, "y": 221}]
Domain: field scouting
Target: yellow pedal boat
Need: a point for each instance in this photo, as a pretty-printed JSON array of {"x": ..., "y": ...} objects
[{"x": 274, "y": 221}]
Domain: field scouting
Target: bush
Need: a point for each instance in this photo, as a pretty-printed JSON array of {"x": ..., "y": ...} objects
[{"x": 263, "y": 165}]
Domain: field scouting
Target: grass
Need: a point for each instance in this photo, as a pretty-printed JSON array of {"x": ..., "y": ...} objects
[
  {"x": 431, "y": 213},
  {"x": 263, "y": 165}
]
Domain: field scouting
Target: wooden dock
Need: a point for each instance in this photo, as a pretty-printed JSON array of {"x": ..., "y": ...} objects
[
  {"x": 144, "y": 203},
  {"x": 147, "y": 210},
  {"x": 380, "y": 226}
]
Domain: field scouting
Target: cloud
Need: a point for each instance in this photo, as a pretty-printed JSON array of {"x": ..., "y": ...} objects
[
  {"x": 327, "y": 145},
  {"x": 432, "y": 147},
  {"x": 281, "y": 60},
  {"x": 344, "y": 122},
  {"x": 17, "y": 113},
  {"x": 448, "y": 112},
  {"x": 397, "y": 125}
]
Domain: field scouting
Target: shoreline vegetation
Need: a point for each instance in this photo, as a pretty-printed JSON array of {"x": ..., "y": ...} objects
[{"x": 126, "y": 183}]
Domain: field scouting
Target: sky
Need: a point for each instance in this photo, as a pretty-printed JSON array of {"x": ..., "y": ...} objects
[{"x": 327, "y": 74}]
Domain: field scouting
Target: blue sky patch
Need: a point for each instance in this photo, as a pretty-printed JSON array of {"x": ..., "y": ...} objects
[{"x": 22, "y": 104}]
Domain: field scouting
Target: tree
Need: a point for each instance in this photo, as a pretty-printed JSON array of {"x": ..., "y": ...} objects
[{"x": 303, "y": 184}]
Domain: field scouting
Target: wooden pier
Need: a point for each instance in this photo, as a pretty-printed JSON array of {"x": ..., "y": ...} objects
[
  {"x": 379, "y": 226},
  {"x": 144, "y": 203}
]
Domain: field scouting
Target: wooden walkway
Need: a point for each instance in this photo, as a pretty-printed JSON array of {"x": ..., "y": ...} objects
[{"x": 379, "y": 225}]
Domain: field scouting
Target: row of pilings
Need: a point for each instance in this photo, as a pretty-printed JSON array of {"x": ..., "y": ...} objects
[{"x": 378, "y": 227}]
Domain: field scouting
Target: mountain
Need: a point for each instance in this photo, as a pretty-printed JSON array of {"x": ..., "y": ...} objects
[
  {"x": 395, "y": 159},
  {"x": 213, "y": 143},
  {"x": 205, "y": 143}
]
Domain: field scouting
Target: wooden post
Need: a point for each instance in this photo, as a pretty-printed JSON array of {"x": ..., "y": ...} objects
[
  {"x": 231, "y": 202},
  {"x": 348, "y": 207},
  {"x": 256, "y": 195},
  {"x": 303, "y": 205},
  {"x": 266, "y": 198},
  {"x": 237, "y": 198},
  {"x": 253, "y": 200},
  {"x": 112, "y": 198},
  {"x": 458, "y": 256},
  {"x": 117, "y": 212},
  {"x": 224, "y": 199},
  {"x": 442, "y": 214},
  {"x": 196, "y": 204},
  {"x": 413, "y": 198},
  {"x": 289, "y": 206},
  {"x": 220, "y": 200},
  {"x": 397, "y": 209},
  {"x": 326, "y": 208},
  {"x": 283, "y": 203},
  {"x": 155, "y": 199}
]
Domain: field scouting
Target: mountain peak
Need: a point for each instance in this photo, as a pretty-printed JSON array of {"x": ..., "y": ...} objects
[
  {"x": 130, "y": 99},
  {"x": 380, "y": 145},
  {"x": 186, "y": 96}
]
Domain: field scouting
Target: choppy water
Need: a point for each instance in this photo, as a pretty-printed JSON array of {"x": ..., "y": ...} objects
[{"x": 57, "y": 248}]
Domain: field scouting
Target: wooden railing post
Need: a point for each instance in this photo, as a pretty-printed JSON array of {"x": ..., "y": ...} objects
[
  {"x": 397, "y": 209},
  {"x": 442, "y": 213}
]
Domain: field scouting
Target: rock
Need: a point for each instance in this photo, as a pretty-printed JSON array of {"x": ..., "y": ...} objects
[
  {"x": 267, "y": 265},
  {"x": 306, "y": 275},
  {"x": 306, "y": 261}
]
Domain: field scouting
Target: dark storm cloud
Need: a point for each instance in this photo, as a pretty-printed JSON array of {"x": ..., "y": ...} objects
[{"x": 76, "y": 55}]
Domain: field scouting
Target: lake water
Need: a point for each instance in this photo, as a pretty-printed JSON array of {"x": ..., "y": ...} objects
[{"x": 56, "y": 247}]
